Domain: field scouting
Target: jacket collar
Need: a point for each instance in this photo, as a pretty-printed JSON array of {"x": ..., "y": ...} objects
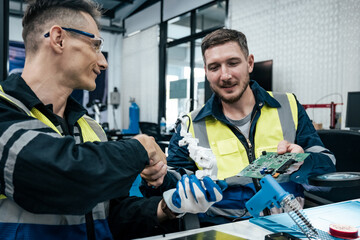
[
  {"x": 16, "y": 87},
  {"x": 213, "y": 106}
]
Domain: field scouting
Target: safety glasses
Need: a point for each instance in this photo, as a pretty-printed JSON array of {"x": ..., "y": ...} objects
[{"x": 97, "y": 42}]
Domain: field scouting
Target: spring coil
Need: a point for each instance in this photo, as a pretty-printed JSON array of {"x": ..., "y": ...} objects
[{"x": 293, "y": 208}]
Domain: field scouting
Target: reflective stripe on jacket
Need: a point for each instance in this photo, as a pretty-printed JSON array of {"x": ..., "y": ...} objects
[{"x": 17, "y": 223}]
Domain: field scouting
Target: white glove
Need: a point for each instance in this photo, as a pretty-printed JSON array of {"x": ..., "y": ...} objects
[{"x": 192, "y": 195}]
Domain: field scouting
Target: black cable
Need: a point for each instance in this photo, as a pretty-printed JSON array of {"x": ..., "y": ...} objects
[
  {"x": 178, "y": 121},
  {"x": 257, "y": 185},
  {"x": 188, "y": 128},
  {"x": 240, "y": 218}
]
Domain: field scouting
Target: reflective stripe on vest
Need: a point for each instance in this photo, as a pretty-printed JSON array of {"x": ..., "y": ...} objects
[
  {"x": 17, "y": 223},
  {"x": 231, "y": 155},
  {"x": 276, "y": 124},
  {"x": 15, "y": 214},
  {"x": 91, "y": 131}
]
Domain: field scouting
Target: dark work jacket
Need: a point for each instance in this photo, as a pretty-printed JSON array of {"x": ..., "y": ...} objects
[{"x": 55, "y": 175}]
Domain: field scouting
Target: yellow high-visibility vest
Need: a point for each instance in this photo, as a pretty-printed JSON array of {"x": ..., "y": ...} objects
[{"x": 273, "y": 125}]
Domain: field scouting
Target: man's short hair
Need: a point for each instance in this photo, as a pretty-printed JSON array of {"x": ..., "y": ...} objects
[
  {"x": 41, "y": 15},
  {"x": 222, "y": 36}
]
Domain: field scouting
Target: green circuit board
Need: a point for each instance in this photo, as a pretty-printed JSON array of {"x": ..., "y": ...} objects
[{"x": 272, "y": 163}]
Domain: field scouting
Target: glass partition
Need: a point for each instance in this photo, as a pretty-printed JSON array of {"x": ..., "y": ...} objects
[
  {"x": 184, "y": 75},
  {"x": 177, "y": 82},
  {"x": 199, "y": 76}
]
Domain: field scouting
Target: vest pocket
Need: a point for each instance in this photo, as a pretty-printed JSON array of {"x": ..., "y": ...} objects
[
  {"x": 227, "y": 146},
  {"x": 231, "y": 158}
]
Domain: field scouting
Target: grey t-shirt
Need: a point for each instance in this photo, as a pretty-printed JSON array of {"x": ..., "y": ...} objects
[{"x": 243, "y": 124}]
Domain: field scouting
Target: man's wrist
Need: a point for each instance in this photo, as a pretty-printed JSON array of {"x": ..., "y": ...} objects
[
  {"x": 166, "y": 212},
  {"x": 169, "y": 214}
]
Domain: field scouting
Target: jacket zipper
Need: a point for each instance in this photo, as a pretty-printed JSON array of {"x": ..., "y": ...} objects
[
  {"x": 251, "y": 155},
  {"x": 250, "y": 152}
]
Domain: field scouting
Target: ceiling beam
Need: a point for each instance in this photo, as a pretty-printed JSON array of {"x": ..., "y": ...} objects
[{"x": 113, "y": 28}]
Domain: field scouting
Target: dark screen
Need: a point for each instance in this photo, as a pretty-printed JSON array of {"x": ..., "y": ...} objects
[
  {"x": 353, "y": 111},
  {"x": 262, "y": 74}
]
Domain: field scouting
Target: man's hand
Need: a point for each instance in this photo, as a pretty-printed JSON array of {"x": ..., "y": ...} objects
[
  {"x": 154, "y": 173},
  {"x": 192, "y": 195},
  {"x": 286, "y": 147},
  {"x": 154, "y": 152}
]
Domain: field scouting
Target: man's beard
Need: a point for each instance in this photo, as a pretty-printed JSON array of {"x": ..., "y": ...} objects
[{"x": 234, "y": 98}]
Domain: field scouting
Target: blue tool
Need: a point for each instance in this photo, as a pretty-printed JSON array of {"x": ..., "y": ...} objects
[{"x": 272, "y": 195}]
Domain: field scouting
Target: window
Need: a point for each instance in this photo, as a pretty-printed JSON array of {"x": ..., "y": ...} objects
[
  {"x": 177, "y": 81},
  {"x": 211, "y": 16},
  {"x": 199, "y": 76},
  {"x": 179, "y": 27},
  {"x": 183, "y": 75}
]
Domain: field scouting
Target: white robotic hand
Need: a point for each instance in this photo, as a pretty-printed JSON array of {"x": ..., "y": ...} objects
[
  {"x": 204, "y": 157},
  {"x": 192, "y": 195}
]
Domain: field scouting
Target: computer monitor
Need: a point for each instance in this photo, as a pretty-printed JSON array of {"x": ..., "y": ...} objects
[
  {"x": 262, "y": 74},
  {"x": 353, "y": 111}
]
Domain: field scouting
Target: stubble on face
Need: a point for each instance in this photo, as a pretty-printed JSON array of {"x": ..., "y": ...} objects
[
  {"x": 227, "y": 83},
  {"x": 227, "y": 70}
]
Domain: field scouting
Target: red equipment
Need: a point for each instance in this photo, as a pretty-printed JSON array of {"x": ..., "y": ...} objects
[{"x": 332, "y": 107}]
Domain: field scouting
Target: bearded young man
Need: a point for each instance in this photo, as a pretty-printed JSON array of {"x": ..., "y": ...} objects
[
  {"x": 59, "y": 177},
  {"x": 238, "y": 123}
]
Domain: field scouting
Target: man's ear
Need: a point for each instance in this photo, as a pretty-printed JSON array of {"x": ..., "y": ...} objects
[
  {"x": 251, "y": 63},
  {"x": 57, "y": 38}
]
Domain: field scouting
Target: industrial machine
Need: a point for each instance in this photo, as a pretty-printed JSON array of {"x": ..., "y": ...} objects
[{"x": 332, "y": 107}]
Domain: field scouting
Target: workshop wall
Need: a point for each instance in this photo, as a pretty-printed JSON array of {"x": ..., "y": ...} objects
[
  {"x": 140, "y": 75},
  {"x": 314, "y": 46}
]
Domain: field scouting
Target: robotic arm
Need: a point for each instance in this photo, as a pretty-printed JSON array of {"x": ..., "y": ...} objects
[{"x": 204, "y": 157}]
